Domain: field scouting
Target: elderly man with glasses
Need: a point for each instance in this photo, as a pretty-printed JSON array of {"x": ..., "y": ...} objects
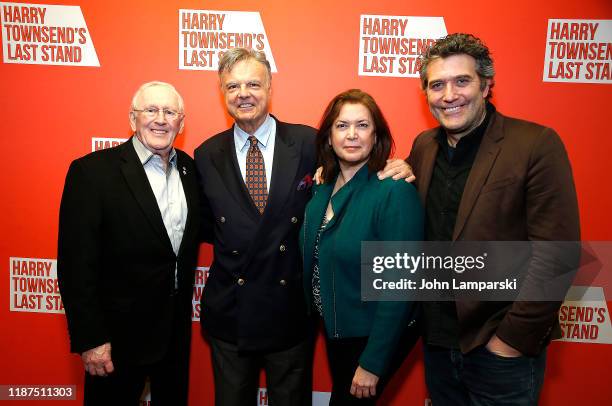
[{"x": 127, "y": 250}]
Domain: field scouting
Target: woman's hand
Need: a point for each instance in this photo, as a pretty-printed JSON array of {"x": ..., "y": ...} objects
[{"x": 364, "y": 384}]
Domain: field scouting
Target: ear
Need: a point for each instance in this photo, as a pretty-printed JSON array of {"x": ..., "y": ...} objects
[
  {"x": 180, "y": 131},
  {"x": 132, "y": 120},
  {"x": 485, "y": 90}
]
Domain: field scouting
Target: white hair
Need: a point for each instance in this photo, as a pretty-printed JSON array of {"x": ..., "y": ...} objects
[{"x": 154, "y": 84}]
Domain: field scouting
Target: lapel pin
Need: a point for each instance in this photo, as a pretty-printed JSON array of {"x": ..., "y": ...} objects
[{"x": 184, "y": 171}]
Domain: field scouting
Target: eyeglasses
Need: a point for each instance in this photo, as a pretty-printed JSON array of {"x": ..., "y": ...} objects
[{"x": 152, "y": 112}]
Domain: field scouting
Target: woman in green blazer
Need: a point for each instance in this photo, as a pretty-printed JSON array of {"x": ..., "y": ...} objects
[{"x": 352, "y": 206}]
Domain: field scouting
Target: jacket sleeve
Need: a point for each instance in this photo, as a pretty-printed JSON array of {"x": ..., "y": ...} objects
[
  {"x": 552, "y": 215},
  {"x": 79, "y": 260},
  {"x": 412, "y": 157},
  {"x": 207, "y": 221},
  {"x": 399, "y": 218}
]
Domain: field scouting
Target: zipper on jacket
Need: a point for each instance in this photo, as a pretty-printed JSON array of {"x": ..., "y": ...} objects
[
  {"x": 309, "y": 304},
  {"x": 336, "y": 335}
]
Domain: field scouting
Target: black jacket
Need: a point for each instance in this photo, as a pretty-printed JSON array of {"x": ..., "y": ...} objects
[
  {"x": 253, "y": 296},
  {"x": 116, "y": 265}
]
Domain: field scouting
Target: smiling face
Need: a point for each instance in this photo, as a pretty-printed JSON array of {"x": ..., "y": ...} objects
[
  {"x": 157, "y": 133},
  {"x": 247, "y": 90},
  {"x": 353, "y": 135},
  {"x": 455, "y": 94}
]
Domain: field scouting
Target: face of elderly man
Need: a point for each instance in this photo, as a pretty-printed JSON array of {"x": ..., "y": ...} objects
[
  {"x": 156, "y": 118},
  {"x": 247, "y": 90},
  {"x": 455, "y": 94}
]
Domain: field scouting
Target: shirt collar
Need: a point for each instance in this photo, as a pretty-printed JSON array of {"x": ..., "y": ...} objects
[
  {"x": 262, "y": 133},
  {"x": 145, "y": 155}
]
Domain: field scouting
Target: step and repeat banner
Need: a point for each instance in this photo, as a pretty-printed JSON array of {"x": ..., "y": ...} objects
[{"x": 70, "y": 68}]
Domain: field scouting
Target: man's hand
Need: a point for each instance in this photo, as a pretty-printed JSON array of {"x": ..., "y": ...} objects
[
  {"x": 317, "y": 176},
  {"x": 364, "y": 384},
  {"x": 97, "y": 361},
  {"x": 398, "y": 169},
  {"x": 498, "y": 347}
]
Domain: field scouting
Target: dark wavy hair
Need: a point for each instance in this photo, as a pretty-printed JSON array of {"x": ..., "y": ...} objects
[
  {"x": 457, "y": 44},
  {"x": 382, "y": 149}
]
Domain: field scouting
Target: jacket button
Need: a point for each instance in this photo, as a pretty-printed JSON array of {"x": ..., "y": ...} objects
[
  {"x": 235, "y": 253},
  {"x": 283, "y": 282},
  {"x": 240, "y": 281},
  {"x": 294, "y": 220},
  {"x": 282, "y": 248},
  {"x": 222, "y": 219}
]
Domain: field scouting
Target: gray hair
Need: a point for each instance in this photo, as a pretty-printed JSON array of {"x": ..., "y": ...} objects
[
  {"x": 457, "y": 44},
  {"x": 156, "y": 83},
  {"x": 235, "y": 55}
]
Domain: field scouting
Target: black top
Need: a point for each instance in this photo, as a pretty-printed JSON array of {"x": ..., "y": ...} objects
[{"x": 450, "y": 174}]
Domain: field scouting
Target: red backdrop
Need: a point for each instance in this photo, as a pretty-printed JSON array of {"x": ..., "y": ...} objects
[{"x": 53, "y": 112}]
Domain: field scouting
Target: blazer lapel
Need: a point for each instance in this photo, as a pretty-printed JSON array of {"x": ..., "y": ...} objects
[
  {"x": 485, "y": 158},
  {"x": 342, "y": 198},
  {"x": 190, "y": 187},
  {"x": 226, "y": 163},
  {"x": 284, "y": 167},
  {"x": 426, "y": 165},
  {"x": 137, "y": 181},
  {"x": 286, "y": 161}
]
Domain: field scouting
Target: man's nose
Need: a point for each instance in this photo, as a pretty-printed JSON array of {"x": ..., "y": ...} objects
[
  {"x": 161, "y": 117},
  {"x": 449, "y": 92},
  {"x": 243, "y": 91}
]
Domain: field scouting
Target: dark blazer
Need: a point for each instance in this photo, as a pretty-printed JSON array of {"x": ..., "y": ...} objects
[
  {"x": 365, "y": 209},
  {"x": 253, "y": 296},
  {"x": 520, "y": 188},
  {"x": 115, "y": 263}
]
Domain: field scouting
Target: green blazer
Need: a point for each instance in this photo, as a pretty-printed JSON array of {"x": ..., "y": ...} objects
[{"x": 365, "y": 209}]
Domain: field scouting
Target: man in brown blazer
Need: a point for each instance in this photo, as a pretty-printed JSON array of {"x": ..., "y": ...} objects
[{"x": 483, "y": 176}]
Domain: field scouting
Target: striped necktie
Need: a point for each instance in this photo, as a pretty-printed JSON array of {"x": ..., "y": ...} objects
[{"x": 256, "y": 176}]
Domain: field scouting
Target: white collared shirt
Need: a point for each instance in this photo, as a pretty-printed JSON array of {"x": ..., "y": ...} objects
[
  {"x": 168, "y": 190},
  {"x": 266, "y": 137}
]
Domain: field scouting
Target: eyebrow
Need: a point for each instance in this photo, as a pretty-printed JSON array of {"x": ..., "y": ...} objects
[
  {"x": 463, "y": 76},
  {"x": 147, "y": 106},
  {"x": 357, "y": 121}
]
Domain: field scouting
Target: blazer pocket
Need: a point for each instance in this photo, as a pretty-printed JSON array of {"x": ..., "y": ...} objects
[{"x": 498, "y": 184}]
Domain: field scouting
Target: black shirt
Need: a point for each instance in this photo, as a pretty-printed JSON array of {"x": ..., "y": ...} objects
[{"x": 450, "y": 173}]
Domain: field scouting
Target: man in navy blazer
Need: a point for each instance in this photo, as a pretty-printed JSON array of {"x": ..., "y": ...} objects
[
  {"x": 253, "y": 308},
  {"x": 127, "y": 250}
]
